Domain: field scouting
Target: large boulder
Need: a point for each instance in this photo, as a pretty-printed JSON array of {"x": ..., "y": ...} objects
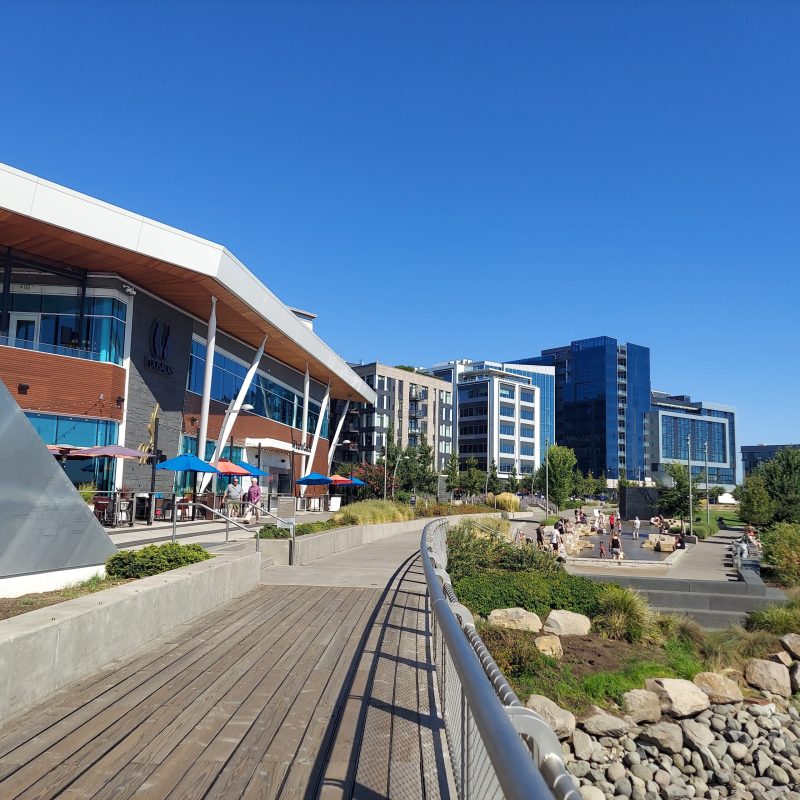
[
  {"x": 642, "y": 706},
  {"x": 517, "y": 618},
  {"x": 794, "y": 677},
  {"x": 769, "y": 676},
  {"x": 791, "y": 644},
  {"x": 567, "y": 623},
  {"x": 561, "y": 721},
  {"x": 600, "y": 723},
  {"x": 666, "y": 736},
  {"x": 720, "y": 690},
  {"x": 679, "y": 697},
  {"x": 549, "y": 645}
]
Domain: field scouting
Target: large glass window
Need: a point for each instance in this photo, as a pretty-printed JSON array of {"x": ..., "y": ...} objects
[
  {"x": 506, "y": 429},
  {"x": 268, "y": 398},
  {"x": 506, "y": 411},
  {"x": 507, "y": 447}
]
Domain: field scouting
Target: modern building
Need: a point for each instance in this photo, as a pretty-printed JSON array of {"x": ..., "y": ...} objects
[
  {"x": 755, "y": 454},
  {"x": 675, "y": 422},
  {"x": 504, "y": 412},
  {"x": 107, "y": 320},
  {"x": 415, "y": 406},
  {"x": 602, "y": 395}
]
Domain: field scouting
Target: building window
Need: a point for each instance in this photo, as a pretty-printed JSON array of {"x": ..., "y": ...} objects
[
  {"x": 507, "y": 447},
  {"x": 506, "y": 429},
  {"x": 526, "y": 450},
  {"x": 506, "y": 411},
  {"x": 506, "y": 392},
  {"x": 505, "y": 466},
  {"x": 526, "y": 397},
  {"x": 526, "y": 413},
  {"x": 526, "y": 432}
]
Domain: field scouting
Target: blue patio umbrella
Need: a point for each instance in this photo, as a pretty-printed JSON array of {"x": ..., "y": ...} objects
[
  {"x": 314, "y": 479},
  {"x": 254, "y": 471},
  {"x": 357, "y": 482},
  {"x": 187, "y": 462}
]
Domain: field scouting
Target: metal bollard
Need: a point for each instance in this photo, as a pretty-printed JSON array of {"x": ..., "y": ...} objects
[
  {"x": 227, "y": 528},
  {"x": 174, "y": 517}
]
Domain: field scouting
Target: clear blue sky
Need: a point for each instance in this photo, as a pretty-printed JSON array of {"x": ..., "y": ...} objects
[{"x": 455, "y": 179}]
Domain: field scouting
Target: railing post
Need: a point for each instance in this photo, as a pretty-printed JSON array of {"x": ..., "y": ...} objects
[
  {"x": 293, "y": 552},
  {"x": 227, "y": 528},
  {"x": 174, "y": 517}
]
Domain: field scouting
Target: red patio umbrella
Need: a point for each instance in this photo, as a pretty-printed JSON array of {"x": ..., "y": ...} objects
[
  {"x": 340, "y": 480},
  {"x": 227, "y": 467}
]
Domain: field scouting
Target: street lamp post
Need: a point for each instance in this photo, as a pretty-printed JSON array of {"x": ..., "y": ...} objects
[
  {"x": 708, "y": 496},
  {"x": 689, "y": 465},
  {"x": 546, "y": 477}
]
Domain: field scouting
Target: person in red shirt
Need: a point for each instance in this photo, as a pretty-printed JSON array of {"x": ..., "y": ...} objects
[{"x": 254, "y": 496}]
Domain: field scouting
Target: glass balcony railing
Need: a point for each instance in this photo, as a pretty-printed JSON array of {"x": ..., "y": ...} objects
[{"x": 57, "y": 350}]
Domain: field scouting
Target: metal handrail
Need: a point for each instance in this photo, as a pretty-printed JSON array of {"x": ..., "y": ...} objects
[
  {"x": 524, "y": 753},
  {"x": 290, "y": 522}
]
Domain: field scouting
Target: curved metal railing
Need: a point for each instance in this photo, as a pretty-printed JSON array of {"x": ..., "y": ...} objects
[{"x": 498, "y": 747}]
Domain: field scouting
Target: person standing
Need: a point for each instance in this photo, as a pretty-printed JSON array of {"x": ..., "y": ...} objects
[
  {"x": 636, "y": 525},
  {"x": 254, "y": 496},
  {"x": 233, "y": 498},
  {"x": 555, "y": 540},
  {"x": 615, "y": 546}
]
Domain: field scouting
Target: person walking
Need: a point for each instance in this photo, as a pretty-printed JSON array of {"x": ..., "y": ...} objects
[
  {"x": 555, "y": 540},
  {"x": 637, "y": 524},
  {"x": 540, "y": 537},
  {"x": 615, "y": 546},
  {"x": 254, "y": 496}
]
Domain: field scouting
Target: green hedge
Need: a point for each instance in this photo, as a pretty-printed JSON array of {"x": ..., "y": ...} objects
[
  {"x": 270, "y": 531},
  {"x": 153, "y": 559},
  {"x": 530, "y": 590}
]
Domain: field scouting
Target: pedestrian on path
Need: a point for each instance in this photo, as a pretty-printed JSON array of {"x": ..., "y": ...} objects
[
  {"x": 615, "y": 546},
  {"x": 254, "y": 496},
  {"x": 636, "y": 526}
]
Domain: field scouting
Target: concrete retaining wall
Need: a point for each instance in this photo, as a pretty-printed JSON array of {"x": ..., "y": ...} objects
[
  {"x": 315, "y": 546},
  {"x": 44, "y": 650}
]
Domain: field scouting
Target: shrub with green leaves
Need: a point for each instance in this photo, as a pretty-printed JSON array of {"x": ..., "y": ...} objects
[
  {"x": 623, "y": 613},
  {"x": 782, "y": 552},
  {"x": 533, "y": 591},
  {"x": 778, "y": 619},
  {"x": 154, "y": 559}
]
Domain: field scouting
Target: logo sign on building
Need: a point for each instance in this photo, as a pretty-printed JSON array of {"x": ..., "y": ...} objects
[{"x": 160, "y": 356}]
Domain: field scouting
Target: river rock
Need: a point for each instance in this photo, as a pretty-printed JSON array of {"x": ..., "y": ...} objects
[
  {"x": 768, "y": 676},
  {"x": 791, "y": 644},
  {"x": 549, "y": 645},
  {"x": 794, "y": 677},
  {"x": 600, "y": 723},
  {"x": 582, "y": 745},
  {"x": 516, "y": 618},
  {"x": 719, "y": 689},
  {"x": 561, "y": 721},
  {"x": 642, "y": 706},
  {"x": 781, "y": 658},
  {"x": 591, "y": 793},
  {"x": 737, "y": 750},
  {"x": 567, "y": 623},
  {"x": 696, "y": 734},
  {"x": 666, "y": 736},
  {"x": 679, "y": 697}
]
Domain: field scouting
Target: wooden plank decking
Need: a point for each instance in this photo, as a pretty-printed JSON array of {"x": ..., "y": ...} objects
[{"x": 289, "y": 691}]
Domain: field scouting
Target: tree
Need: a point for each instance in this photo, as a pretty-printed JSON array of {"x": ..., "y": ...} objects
[
  {"x": 756, "y": 507},
  {"x": 673, "y": 498},
  {"x": 782, "y": 481},
  {"x": 513, "y": 481},
  {"x": 561, "y": 463},
  {"x": 493, "y": 482},
  {"x": 472, "y": 479},
  {"x": 452, "y": 473},
  {"x": 425, "y": 478},
  {"x": 580, "y": 484},
  {"x": 372, "y": 475}
]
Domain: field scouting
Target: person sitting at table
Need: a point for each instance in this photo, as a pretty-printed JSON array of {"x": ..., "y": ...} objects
[{"x": 233, "y": 498}]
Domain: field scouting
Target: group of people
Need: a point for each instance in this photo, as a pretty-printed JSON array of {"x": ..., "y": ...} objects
[{"x": 236, "y": 496}]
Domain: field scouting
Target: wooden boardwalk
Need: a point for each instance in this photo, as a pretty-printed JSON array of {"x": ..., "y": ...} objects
[{"x": 289, "y": 691}]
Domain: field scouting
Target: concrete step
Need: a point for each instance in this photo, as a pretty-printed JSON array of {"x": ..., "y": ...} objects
[
  {"x": 734, "y": 587},
  {"x": 701, "y": 601},
  {"x": 709, "y": 620}
]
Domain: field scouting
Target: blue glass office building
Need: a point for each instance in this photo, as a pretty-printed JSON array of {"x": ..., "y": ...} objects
[{"x": 602, "y": 397}]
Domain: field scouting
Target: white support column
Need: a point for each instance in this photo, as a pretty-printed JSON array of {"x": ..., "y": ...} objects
[
  {"x": 233, "y": 411},
  {"x": 304, "y": 424},
  {"x": 211, "y": 342},
  {"x": 334, "y": 443},
  {"x": 322, "y": 409}
]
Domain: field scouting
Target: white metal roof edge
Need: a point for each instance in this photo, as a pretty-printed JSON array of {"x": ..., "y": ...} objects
[{"x": 50, "y": 203}]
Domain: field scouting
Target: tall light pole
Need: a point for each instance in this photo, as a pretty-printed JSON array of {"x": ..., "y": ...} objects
[
  {"x": 708, "y": 504},
  {"x": 394, "y": 475},
  {"x": 546, "y": 477},
  {"x": 689, "y": 465}
]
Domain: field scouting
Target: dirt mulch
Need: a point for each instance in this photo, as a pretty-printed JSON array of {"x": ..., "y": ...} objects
[
  {"x": 585, "y": 655},
  {"x": 14, "y": 606}
]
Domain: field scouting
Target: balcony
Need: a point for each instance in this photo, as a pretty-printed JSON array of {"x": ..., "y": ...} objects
[
  {"x": 54, "y": 350},
  {"x": 417, "y": 411}
]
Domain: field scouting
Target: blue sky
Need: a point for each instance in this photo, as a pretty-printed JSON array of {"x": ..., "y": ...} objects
[{"x": 455, "y": 179}]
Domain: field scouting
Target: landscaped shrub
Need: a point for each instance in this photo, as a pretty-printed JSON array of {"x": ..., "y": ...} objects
[
  {"x": 505, "y": 501},
  {"x": 153, "y": 559},
  {"x": 778, "y": 619},
  {"x": 482, "y": 593},
  {"x": 87, "y": 491},
  {"x": 624, "y": 614},
  {"x": 372, "y": 512},
  {"x": 782, "y": 552},
  {"x": 734, "y": 645},
  {"x": 271, "y": 531}
]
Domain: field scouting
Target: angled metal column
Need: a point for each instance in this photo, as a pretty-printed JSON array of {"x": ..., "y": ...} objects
[
  {"x": 335, "y": 440},
  {"x": 303, "y": 438},
  {"x": 211, "y": 341},
  {"x": 322, "y": 409},
  {"x": 233, "y": 411}
]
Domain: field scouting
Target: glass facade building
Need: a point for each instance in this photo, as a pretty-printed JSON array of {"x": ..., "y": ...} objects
[
  {"x": 602, "y": 397},
  {"x": 676, "y": 423},
  {"x": 755, "y": 454}
]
